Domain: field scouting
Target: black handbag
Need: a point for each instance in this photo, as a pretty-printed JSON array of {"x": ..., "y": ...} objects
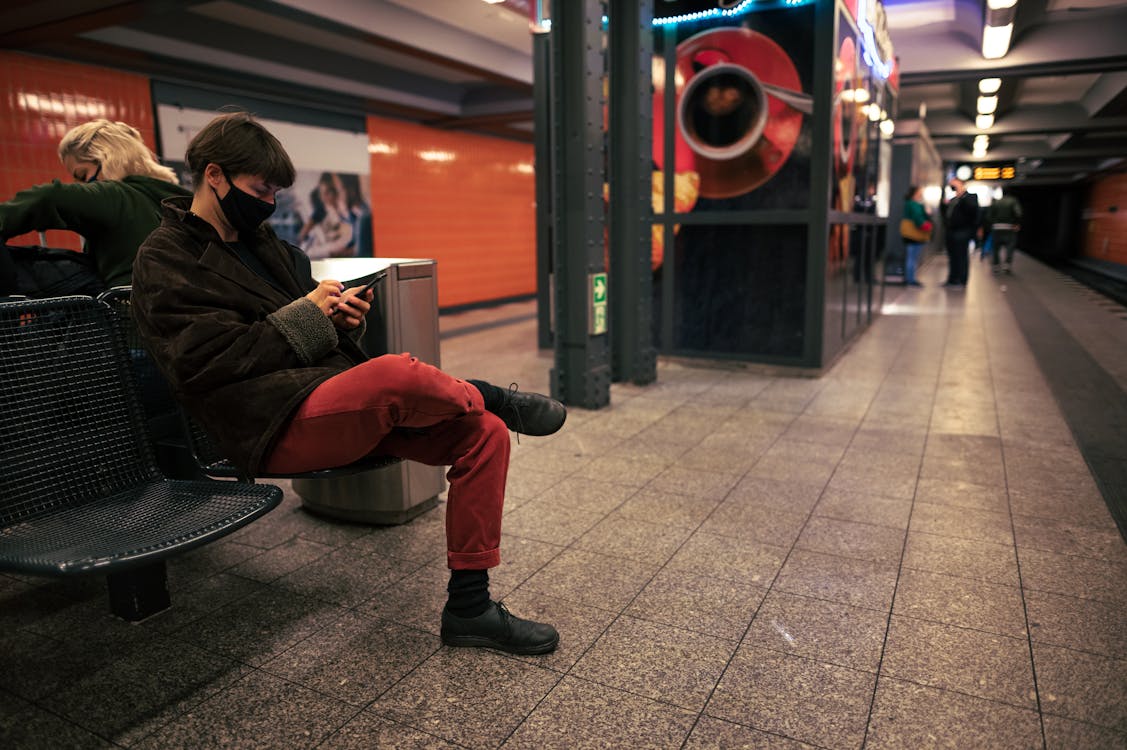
[{"x": 34, "y": 271}]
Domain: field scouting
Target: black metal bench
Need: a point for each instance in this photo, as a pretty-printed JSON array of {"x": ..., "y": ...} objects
[{"x": 80, "y": 492}]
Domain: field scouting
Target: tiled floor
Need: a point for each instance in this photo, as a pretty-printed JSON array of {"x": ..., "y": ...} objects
[{"x": 908, "y": 552}]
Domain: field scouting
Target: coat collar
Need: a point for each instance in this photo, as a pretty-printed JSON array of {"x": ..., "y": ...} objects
[{"x": 219, "y": 257}]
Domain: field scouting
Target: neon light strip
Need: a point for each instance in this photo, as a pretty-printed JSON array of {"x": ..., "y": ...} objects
[
  {"x": 869, "y": 43},
  {"x": 738, "y": 10},
  {"x": 703, "y": 14}
]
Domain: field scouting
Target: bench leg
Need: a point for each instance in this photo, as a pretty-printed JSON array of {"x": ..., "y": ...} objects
[{"x": 139, "y": 593}]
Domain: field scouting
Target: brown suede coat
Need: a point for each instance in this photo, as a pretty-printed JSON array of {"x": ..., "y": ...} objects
[{"x": 214, "y": 328}]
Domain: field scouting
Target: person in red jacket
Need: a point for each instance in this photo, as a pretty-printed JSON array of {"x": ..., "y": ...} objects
[{"x": 265, "y": 358}]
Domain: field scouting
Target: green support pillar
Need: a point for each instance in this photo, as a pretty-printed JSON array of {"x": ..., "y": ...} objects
[
  {"x": 633, "y": 355},
  {"x": 582, "y": 373}
]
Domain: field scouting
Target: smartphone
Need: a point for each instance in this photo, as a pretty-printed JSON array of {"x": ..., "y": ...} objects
[
  {"x": 375, "y": 280},
  {"x": 363, "y": 290}
]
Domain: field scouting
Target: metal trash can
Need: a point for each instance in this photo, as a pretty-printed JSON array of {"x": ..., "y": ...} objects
[{"x": 403, "y": 318}]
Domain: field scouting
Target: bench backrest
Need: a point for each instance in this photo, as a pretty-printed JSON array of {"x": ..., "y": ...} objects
[{"x": 71, "y": 429}]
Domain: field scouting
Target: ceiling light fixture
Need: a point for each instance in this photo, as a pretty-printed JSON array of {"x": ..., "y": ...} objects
[
  {"x": 999, "y": 28},
  {"x": 984, "y": 122},
  {"x": 987, "y": 105},
  {"x": 989, "y": 85}
]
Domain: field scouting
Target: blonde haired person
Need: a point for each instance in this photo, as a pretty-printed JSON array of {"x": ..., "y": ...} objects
[{"x": 114, "y": 202}]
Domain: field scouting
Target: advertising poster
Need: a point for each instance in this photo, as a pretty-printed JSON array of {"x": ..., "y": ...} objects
[
  {"x": 742, "y": 108},
  {"x": 327, "y": 211},
  {"x": 326, "y": 214},
  {"x": 742, "y": 142}
]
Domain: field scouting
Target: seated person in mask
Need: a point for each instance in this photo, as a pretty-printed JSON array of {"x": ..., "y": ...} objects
[
  {"x": 113, "y": 203},
  {"x": 265, "y": 357}
]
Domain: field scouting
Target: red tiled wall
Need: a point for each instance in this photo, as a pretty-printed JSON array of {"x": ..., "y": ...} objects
[
  {"x": 43, "y": 99},
  {"x": 1105, "y": 230},
  {"x": 467, "y": 201}
]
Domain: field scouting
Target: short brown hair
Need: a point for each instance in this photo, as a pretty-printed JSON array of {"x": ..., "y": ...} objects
[{"x": 241, "y": 146}]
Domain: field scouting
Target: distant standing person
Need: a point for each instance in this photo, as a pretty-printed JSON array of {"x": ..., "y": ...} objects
[
  {"x": 1003, "y": 220},
  {"x": 961, "y": 217},
  {"x": 914, "y": 212},
  {"x": 113, "y": 203}
]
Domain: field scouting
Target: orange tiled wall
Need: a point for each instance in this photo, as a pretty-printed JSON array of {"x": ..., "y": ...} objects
[
  {"x": 1105, "y": 230},
  {"x": 43, "y": 99},
  {"x": 466, "y": 200}
]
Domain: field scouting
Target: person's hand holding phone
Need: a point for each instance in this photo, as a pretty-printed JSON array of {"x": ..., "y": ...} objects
[
  {"x": 326, "y": 295},
  {"x": 352, "y": 307}
]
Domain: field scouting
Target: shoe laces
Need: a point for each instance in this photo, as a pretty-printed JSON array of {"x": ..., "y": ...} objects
[{"x": 507, "y": 403}]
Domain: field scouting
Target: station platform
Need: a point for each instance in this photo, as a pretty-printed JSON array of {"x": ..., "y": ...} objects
[{"x": 913, "y": 550}]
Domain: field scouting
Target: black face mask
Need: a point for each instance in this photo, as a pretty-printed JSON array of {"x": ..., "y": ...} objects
[{"x": 243, "y": 211}]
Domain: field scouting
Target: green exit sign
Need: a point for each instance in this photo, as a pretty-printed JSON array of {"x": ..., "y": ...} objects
[{"x": 597, "y": 311}]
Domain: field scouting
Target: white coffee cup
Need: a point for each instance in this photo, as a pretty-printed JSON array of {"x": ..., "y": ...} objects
[{"x": 722, "y": 111}]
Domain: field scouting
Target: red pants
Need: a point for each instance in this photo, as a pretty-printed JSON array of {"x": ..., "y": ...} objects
[{"x": 363, "y": 410}]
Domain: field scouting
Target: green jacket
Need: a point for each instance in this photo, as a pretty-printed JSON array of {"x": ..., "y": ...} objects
[
  {"x": 115, "y": 217},
  {"x": 1005, "y": 211},
  {"x": 915, "y": 211}
]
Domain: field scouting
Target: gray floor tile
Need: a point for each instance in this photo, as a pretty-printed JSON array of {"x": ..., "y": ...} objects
[
  {"x": 668, "y": 508},
  {"x": 258, "y": 711},
  {"x": 685, "y": 481},
  {"x": 28, "y": 727},
  {"x": 417, "y": 600},
  {"x": 984, "y": 561},
  {"x": 546, "y": 521},
  {"x": 962, "y": 494},
  {"x": 795, "y": 697},
  {"x": 794, "y": 497},
  {"x": 586, "y": 495},
  {"x": 723, "y": 557},
  {"x": 1067, "y": 734},
  {"x": 470, "y": 697},
  {"x": 619, "y": 535},
  {"x": 355, "y": 658},
  {"x": 859, "y": 541},
  {"x": 588, "y": 578},
  {"x": 584, "y": 715},
  {"x": 858, "y": 583},
  {"x": 962, "y": 523},
  {"x": 699, "y": 603},
  {"x": 715, "y": 733},
  {"x": 909, "y": 715},
  {"x": 1080, "y": 624},
  {"x": 754, "y": 522},
  {"x": 819, "y": 629},
  {"x": 656, "y": 661},
  {"x": 347, "y": 576},
  {"x": 1081, "y": 686},
  {"x": 959, "y": 659},
  {"x": 864, "y": 507},
  {"x": 141, "y": 692},
  {"x": 255, "y": 629},
  {"x": 961, "y": 601},
  {"x": 1083, "y": 577},
  {"x": 1063, "y": 537},
  {"x": 366, "y": 731}
]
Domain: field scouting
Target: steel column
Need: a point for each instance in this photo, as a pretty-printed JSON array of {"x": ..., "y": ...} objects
[
  {"x": 633, "y": 356},
  {"x": 542, "y": 153},
  {"x": 582, "y": 373}
]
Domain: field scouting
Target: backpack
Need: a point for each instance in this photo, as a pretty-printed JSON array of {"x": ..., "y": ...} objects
[{"x": 34, "y": 271}]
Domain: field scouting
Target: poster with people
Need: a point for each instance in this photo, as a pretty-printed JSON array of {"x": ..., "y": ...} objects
[{"x": 327, "y": 211}]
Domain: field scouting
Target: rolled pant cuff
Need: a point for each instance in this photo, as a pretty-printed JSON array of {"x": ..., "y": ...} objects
[{"x": 473, "y": 560}]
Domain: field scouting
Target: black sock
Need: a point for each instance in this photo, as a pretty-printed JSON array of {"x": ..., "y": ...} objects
[
  {"x": 468, "y": 592},
  {"x": 493, "y": 396}
]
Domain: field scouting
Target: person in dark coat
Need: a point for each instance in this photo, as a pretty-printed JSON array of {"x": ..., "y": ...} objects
[
  {"x": 1003, "y": 221},
  {"x": 265, "y": 357},
  {"x": 961, "y": 216}
]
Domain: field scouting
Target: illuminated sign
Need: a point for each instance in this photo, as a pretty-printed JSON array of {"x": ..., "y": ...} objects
[
  {"x": 1006, "y": 172},
  {"x": 876, "y": 44}
]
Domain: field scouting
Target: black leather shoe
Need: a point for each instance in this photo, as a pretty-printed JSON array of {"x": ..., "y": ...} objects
[
  {"x": 531, "y": 413},
  {"x": 500, "y": 629}
]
